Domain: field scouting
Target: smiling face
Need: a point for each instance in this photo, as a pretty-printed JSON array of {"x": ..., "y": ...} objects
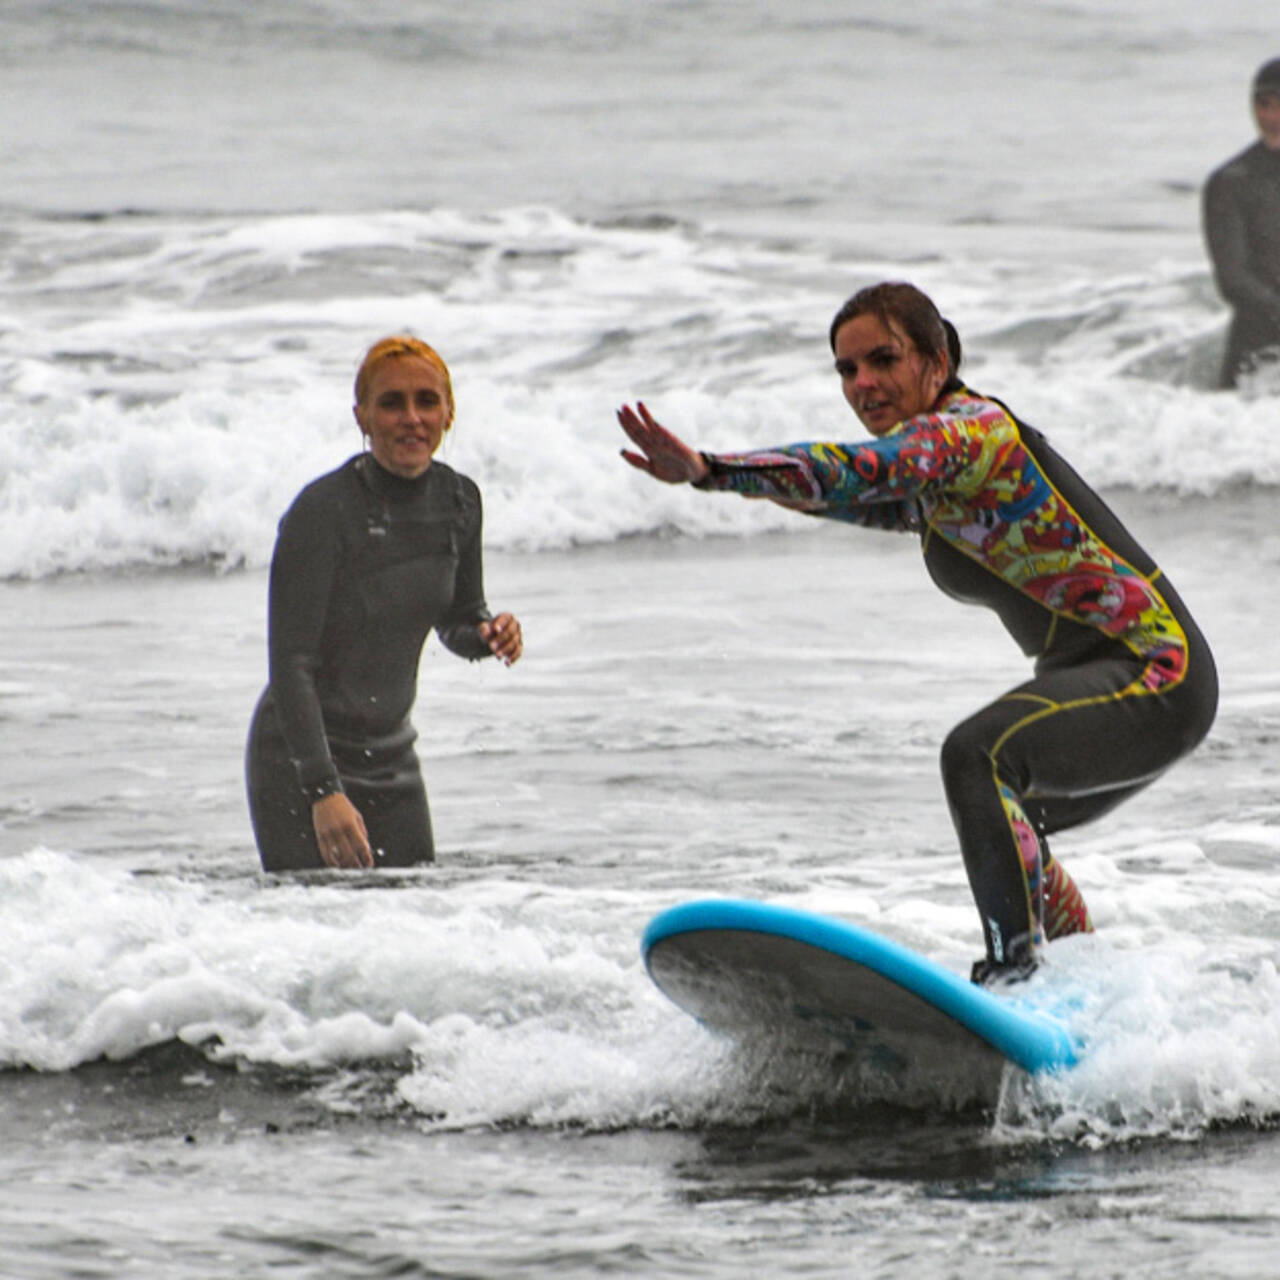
[
  {"x": 884, "y": 377},
  {"x": 405, "y": 412}
]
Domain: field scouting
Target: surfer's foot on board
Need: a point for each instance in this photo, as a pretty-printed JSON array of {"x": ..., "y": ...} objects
[
  {"x": 987, "y": 973},
  {"x": 1018, "y": 967}
]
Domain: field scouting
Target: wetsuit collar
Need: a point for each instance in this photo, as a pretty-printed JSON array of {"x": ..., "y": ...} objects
[{"x": 386, "y": 485}]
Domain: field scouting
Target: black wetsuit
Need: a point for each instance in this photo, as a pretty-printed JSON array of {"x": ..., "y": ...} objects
[
  {"x": 1242, "y": 229},
  {"x": 365, "y": 565},
  {"x": 1124, "y": 682}
]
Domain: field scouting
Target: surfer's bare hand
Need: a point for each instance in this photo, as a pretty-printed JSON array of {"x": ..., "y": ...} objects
[
  {"x": 663, "y": 455},
  {"x": 341, "y": 833},
  {"x": 503, "y": 636}
]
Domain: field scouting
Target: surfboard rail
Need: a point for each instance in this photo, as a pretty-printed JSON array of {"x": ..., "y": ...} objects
[{"x": 1031, "y": 1038}]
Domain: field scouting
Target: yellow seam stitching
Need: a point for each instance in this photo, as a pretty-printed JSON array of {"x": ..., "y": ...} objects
[
  {"x": 1013, "y": 837},
  {"x": 1053, "y": 629},
  {"x": 1135, "y": 690}
]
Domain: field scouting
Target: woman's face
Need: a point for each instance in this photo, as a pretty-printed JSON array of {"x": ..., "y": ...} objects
[
  {"x": 405, "y": 414},
  {"x": 883, "y": 376}
]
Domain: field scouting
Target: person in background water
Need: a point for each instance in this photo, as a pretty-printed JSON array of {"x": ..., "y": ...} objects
[
  {"x": 369, "y": 559},
  {"x": 1124, "y": 682},
  {"x": 1242, "y": 230}
]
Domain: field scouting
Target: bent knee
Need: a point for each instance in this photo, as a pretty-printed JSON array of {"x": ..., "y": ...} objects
[{"x": 965, "y": 755}]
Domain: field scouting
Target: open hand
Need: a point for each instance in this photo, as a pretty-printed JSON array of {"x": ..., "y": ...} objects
[{"x": 662, "y": 455}]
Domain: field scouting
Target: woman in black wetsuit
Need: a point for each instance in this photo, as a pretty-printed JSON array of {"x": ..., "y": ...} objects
[
  {"x": 1124, "y": 682},
  {"x": 369, "y": 559}
]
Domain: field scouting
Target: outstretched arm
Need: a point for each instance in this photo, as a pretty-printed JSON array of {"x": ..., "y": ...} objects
[
  {"x": 873, "y": 482},
  {"x": 783, "y": 479},
  {"x": 664, "y": 456}
]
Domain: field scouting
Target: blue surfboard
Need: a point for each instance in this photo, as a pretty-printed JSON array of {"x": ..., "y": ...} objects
[{"x": 751, "y": 968}]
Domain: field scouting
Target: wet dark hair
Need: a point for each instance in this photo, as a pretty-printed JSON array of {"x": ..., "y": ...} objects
[
  {"x": 899, "y": 305},
  {"x": 1267, "y": 81}
]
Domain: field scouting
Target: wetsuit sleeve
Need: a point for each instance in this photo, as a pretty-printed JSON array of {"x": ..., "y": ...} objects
[
  {"x": 1226, "y": 235},
  {"x": 303, "y": 570},
  {"x": 953, "y": 451},
  {"x": 457, "y": 629}
]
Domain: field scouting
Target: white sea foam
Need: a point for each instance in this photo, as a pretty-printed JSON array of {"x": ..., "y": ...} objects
[
  {"x": 171, "y": 384},
  {"x": 523, "y": 1005}
]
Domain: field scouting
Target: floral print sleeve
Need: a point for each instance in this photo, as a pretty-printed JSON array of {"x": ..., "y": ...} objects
[{"x": 965, "y": 473}]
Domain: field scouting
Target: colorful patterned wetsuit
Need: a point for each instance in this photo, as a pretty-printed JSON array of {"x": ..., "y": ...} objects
[{"x": 1124, "y": 683}]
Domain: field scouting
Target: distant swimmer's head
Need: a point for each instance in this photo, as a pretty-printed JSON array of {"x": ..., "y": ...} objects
[
  {"x": 895, "y": 354},
  {"x": 404, "y": 403},
  {"x": 1266, "y": 103}
]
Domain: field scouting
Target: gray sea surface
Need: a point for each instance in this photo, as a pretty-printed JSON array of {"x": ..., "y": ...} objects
[{"x": 210, "y": 210}]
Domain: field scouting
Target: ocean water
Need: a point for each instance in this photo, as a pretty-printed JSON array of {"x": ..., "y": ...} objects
[{"x": 210, "y": 210}]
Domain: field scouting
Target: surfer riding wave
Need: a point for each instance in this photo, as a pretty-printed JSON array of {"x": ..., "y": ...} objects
[{"x": 1124, "y": 683}]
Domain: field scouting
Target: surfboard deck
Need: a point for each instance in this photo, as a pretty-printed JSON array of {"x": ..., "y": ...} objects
[{"x": 750, "y": 968}]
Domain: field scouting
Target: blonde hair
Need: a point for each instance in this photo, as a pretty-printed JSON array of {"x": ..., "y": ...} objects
[{"x": 398, "y": 347}]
